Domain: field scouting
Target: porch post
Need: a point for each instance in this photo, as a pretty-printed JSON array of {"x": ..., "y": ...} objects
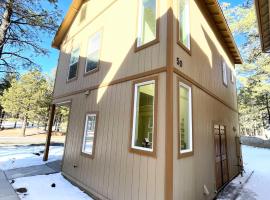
[{"x": 49, "y": 135}]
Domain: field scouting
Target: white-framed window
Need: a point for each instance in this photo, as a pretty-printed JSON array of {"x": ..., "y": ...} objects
[
  {"x": 143, "y": 116},
  {"x": 89, "y": 134},
  {"x": 73, "y": 63},
  {"x": 184, "y": 22},
  {"x": 147, "y": 26},
  {"x": 93, "y": 52},
  {"x": 232, "y": 75},
  {"x": 185, "y": 118},
  {"x": 224, "y": 73}
]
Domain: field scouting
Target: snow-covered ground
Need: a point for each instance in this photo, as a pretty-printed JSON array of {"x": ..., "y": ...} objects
[
  {"x": 254, "y": 185},
  {"x": 40, "y": 188},
  {"x": 258, "y": 186},
  {"x": 12, "y": 157}
]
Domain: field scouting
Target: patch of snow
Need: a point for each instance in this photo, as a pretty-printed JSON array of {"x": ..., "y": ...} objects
[
  {"x": 40, "y": 187},
  {"x": 12, "y": 157},
  {"x": 256, "y": 159},
  {"x": 254, "y": 185}
]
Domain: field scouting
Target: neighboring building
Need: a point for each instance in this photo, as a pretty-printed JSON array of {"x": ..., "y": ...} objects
[
  {"x": 153, "y": 98},
  {"x": 263, "y": 18}
]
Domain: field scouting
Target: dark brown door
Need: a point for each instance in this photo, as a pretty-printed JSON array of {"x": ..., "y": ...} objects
[{"x": 221, "y": 156}]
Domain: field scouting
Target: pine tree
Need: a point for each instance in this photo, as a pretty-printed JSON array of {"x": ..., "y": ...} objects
[
  {"x": 254, "y": 74},
  {"x": 29, "y": 97},
  {"x": 23, "y": 26}
]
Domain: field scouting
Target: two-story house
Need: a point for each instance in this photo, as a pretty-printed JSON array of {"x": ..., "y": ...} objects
[{"x": 152, "y": 89}]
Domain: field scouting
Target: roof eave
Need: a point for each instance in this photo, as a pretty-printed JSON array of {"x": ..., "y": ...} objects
[
  {"x": 66, "y": 23},
  {"x": 265, "y": 44},
  {"x": 220, "y": 21}
]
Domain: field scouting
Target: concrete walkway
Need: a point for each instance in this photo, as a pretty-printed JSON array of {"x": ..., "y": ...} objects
[{"x": 6, "y": 190}]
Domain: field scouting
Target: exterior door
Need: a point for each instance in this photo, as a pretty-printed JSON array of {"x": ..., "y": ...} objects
[{"x": 221, "y": 156}]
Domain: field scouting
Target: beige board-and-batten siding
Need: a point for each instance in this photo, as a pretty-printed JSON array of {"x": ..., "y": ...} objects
[
  {"x": 193, "y": 172},
  {"x": 118, "y": 58},
  {"x": 204, "y": 63},
  {"x": 114, "y": 172}
]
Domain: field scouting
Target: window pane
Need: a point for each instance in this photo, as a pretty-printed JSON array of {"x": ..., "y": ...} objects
[
  {"x": 93, "y": 52},
  {"x": 224, "y": 73},
  {"x": 184, "y": 23},
  {"x": 73, "y": 64},
  {"x": 89, "y": 134},
  {"x": 147, "y": 22},
  {"x": 144, "y": 115},
  {"x": 185, "y": 118}
]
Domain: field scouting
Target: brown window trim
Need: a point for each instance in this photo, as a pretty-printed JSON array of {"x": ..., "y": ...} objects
[
  {"x": 92, "y": 156},
  {"x": 223, "y": 61},
  {"x": 138, "y": 151},
  {"x": 100, "y": 50},
  {"x": 191, "y": 153},
  {"x": 156, "y": 40},
  {"x": 177, "y": 35},
  {"x": 92, "y": 71}
]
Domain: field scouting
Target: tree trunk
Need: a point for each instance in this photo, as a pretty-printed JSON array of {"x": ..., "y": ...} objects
[
  {"x": 24, "y": 126},
  {"x": 268, "y": 108},
  {"x": 5, "y": 22},
  {"x": 45, "y": 127},
  {"x": 15, "y": 124},
  {"x": 2, "y": 118}
]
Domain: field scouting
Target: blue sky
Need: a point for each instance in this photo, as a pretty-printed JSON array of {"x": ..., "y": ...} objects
[{"x": 50, "y": 63}]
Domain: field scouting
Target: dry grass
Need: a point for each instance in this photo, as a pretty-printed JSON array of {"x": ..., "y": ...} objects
[
  {"x": 33, "y": 136},
  {"x": 29, "y": 132}
]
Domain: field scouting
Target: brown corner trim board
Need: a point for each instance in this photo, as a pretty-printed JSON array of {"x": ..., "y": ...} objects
[{"x": 168, "y": 187}]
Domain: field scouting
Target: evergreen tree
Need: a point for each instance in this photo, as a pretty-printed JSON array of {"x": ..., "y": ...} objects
[
  {"x": 28, "y": 97},
  {"x": 254, "y": 74},
  {"x": 23, "y": 26}
]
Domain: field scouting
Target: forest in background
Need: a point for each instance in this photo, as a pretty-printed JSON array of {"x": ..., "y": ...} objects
[{"x": 253, "y": 86}]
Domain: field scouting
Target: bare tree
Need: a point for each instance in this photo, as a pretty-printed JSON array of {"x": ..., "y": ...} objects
[{"x": 24, "y": 26}]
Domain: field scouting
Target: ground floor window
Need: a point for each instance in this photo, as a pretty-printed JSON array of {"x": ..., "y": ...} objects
[
  {"x": 185, "y": 118},
  {"x": 89, "y": 134},
  {"x": 144, "y": 115}
]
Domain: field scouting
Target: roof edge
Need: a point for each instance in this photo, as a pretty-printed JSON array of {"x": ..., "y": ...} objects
[
  {"x": 265, "y": 49},
  {"x": 233, "y": 51},
  {"x": 66, "y": 23}
]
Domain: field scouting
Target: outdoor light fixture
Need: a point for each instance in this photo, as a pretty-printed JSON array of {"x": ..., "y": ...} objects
[{"x": 87, "y": 92}]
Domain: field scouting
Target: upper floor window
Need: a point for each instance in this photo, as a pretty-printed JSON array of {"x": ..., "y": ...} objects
[
  {"x": 224, "y": 73},
  {"x": 184, "y": 23},
  {"x": 144, "y": 112},
  {"x": 147, "y": 27},
  {"x": 83, "y": 14},
  {"x": 185, "y": 119},
  {"x": 232, "y": 76},
  {"x": 93, "y": 52},
  {"x": 89, "y": 134},
  {"x": 73, "y": 64}
]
